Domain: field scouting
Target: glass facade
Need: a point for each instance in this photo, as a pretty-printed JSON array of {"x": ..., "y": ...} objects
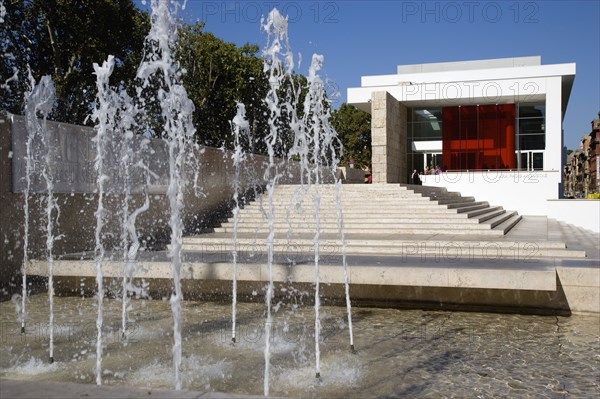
[
  {"x": 424, "y": 124},
  {"x": 531, "y": 136},
  {"x": 477, "y": 137}
]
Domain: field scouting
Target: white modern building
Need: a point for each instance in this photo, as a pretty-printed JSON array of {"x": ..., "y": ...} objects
[{"x": 493, "y": 128}]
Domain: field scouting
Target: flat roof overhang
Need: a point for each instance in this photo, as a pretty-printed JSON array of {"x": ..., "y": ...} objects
[{"x": 489, "y": 86}]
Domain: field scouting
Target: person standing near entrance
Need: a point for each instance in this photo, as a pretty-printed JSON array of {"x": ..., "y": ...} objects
[{"x": 415, "y": 178}]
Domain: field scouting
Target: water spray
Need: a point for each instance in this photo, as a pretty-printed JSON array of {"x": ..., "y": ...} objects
[
  {"x": 39, "y": 100},
  {"x": 178, "y": 130}
]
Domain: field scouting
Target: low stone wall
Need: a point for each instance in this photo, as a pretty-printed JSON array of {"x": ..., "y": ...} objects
[
  {"x": 399, "y": 286},
  {"x": 203, "y": 208},
  {"x": 581, "y": 286}
]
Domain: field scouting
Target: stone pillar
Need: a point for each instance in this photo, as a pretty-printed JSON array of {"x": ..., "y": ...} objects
[{"x": 388, "y": 139}]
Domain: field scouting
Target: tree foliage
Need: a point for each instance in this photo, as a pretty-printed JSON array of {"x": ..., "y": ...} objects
[
  {"x": 63, "y": 38},
  {"x": 217, "y": 74},
  {"x": 354, "y": 130}
]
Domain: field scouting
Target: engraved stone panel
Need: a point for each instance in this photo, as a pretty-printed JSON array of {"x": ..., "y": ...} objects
[{"x": 71, "y": 155}]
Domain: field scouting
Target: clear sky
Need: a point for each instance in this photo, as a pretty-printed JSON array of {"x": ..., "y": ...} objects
[{"x": 361, "y": 38}]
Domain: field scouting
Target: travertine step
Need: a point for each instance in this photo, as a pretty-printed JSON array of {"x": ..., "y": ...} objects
[
  {"x": 519, "y": 251},
  {"x": 381, "y": 241},
  {"x": 372, "y": 210},
  {"x": 452, "y": 200},
  {"x": 364, "y": 223},
  {"x": 508, "y": 224},
  {"x": 461, "y": 204},
  {"x": 480, "y": 212},
  {"x": 309, "y": 217},
  {"x": 431, "y": 229}
]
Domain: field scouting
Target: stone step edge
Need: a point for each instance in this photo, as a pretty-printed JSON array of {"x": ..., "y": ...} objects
[
  {"x": 483, "y": 232},
  {"x": 449, "y": 252},
  {"x": 374, "y": 242}
]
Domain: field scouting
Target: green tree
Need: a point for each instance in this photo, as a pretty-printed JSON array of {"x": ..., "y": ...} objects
[
  {"x": 63, "y": 38},
  {"x": 217, "y": 74},
  {"x": 354, "y": 131}
]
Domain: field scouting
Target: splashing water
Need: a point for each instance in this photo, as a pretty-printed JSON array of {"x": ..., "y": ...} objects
[
  {"x": 342, "y": 235},
  {"x": 31, "y": 120},
  {"x": 313, "y": 109},
  {"x": 129, "y": 237},
  {"x": 104, "y": 116},
  {"x": 39, "y": 100},
  {"x": 276, "y": 28},
  {"x": 331, "y": 152},
  {"x": 126, "y": 159},
  {"x": 240, "y": 126},
  {"x": 177, "y": 110},
  {"x": 314, "y": 146},
  {"x": 132, "y": 250}
]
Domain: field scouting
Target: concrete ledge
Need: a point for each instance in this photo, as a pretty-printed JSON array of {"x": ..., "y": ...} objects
[
  {"x": 504, "y": 286},
  {"x": 366, "y": 270},
  {"x": 581, "y": 286}
]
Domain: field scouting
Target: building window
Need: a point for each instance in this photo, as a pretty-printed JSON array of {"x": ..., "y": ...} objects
[
  {"x": 478, "y": 137},
  {"x": 423, "y": 124},
  {"x": 531, "y": 136}
]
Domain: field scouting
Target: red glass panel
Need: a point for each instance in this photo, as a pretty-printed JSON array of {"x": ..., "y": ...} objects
[
  {"x": 506, "y": 127},
  {"x": 478, "y": 137},
  {"x": 488, "y": 137},
  {"x": 450, "y": 138}
]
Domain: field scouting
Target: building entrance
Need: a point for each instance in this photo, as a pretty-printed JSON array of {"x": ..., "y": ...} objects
[
  {"x": 432, "y": 159},
  {"x": 530, "y": 160}
]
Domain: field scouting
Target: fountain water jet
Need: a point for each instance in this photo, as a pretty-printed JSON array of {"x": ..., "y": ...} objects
[
  {"x": 313, "y": 108},
  {"x": 276, "y": 28},
  {"x": 176, "y": 110},
  {"x": 326, "y": 157},
  {"x": 129, "y": 237},
  {"x": 125, "y": 161},
  {"x": 342, "y": 234},
  {"x": 314, "y": 145},
  {"x": 111, "y": 115},
  {"x": 104, "y": 115},
  {"x": 40, "y": 99},
  {"x": 240, "y": 126}
]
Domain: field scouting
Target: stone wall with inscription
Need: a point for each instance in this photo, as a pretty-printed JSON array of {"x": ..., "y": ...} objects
[
  {"x": 72, "y": 154},
  {"x": 207, "y": 198}
]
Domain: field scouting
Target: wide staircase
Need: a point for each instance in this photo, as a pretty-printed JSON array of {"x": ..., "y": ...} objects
[
  {"x": 376, "y": 209},
  {"x": 386, "y": 219}
]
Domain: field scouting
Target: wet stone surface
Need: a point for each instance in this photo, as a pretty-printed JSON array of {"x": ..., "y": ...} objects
[{"x": 400, "y": 353}]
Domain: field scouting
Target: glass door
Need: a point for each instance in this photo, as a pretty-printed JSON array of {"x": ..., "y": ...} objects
[
  {"x": 432, "y": 159},
  {"x": 531, "y": 160}
]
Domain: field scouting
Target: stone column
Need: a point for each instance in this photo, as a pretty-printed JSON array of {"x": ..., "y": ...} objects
[{"x": 388, "y": 139}]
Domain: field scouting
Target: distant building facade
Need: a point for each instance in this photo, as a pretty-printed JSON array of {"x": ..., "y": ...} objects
[{"x": 582, "y": 170}]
